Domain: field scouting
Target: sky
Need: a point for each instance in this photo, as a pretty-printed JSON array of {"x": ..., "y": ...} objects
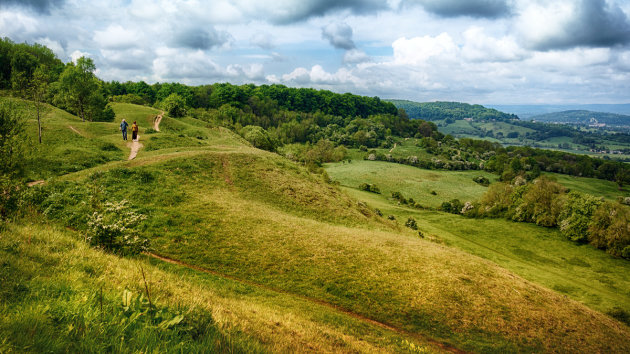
[{"x": 476, "y": 51}]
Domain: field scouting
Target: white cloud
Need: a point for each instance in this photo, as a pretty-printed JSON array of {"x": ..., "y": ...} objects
[
  {"x": 117, "y": 37},
  {"x": 419, "y": 50},
  {"x": 78, "y": 54},
  {"x": 480, "y": 47}
]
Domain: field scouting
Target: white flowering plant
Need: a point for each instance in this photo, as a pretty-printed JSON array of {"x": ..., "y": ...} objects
[{"x": 115, "y": 228}]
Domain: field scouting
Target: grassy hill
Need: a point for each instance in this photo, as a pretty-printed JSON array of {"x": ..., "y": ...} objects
[
  {"x": 582, "y": 117},
  {"x": 271, "y": 257}
]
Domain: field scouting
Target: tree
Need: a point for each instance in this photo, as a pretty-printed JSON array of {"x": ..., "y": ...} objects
[
  {"x": 576, "y": 216},
  {"x": 11, "y": 139},
  {"x": 39, "y": 86},
  {"x": 77, "y": 84},
  {"x": 175, "y": 105}
]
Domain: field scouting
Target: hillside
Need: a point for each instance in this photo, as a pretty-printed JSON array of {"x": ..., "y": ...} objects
[
  {"x": 435, "y": 111},
  {"x": 582, "y": 117},
  {"x": 269, "y": 256}
]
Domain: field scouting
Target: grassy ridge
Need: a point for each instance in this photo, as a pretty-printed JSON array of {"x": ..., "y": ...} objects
[
  {"x": 278, "y": 236},
  {"x": 253, "y": 215}
]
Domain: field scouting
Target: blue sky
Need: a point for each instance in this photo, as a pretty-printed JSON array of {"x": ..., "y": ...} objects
[{"x": 477, "y": 51}]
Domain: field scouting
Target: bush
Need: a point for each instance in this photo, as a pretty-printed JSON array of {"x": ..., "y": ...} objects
[
  {"x": 411, "y": 223},
  {"x": 619, "y": 314},
  {"x": 369, "y": 188},
  {"x": 174, "y": 105},
  {"x": 259, "y": 137},
  {"x": 114, "y": 228},
  {"x": 110, "y": 147},
  {"x": 454, "y": 206},
  {"x": 399, "y": 197},
  {"x": 576, "y": 216},
  {"x": 482, "y": 181}
]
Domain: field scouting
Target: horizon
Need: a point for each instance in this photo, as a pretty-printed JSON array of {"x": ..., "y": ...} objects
[{"x": 508, "y": 52}]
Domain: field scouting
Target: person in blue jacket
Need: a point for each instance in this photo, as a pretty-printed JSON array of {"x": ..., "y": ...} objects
[{"x": 123, "y": 128}]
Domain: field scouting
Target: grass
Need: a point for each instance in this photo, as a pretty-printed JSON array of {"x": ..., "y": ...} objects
[
  {"x": 594, "y": 186},
  {"x": 298, "y": 264},
  {"x": 412, "y": 182},
  {"x": 51, "y": 301},
  {"x": 538, "y": 254},
  {"x": 209, "y": 214}
]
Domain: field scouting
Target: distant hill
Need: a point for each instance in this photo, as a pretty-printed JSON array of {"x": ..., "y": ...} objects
[
  {"x": 583, "y": 117},
  {"x": 528, "y": 110},
  {"x": 435, "y": 111}
]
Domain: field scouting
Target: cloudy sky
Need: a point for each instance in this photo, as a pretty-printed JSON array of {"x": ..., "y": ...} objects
[{"x": 477, "y": 51}]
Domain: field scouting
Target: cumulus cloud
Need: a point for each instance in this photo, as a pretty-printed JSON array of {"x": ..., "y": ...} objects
[
  {"x": 39, "y": 6},
  {"x": 199, "y": 38},
  {"x": 292, "y": 11},
  {"x": 116, "y": 37},
  {"x": 480, "y": 47},
  {"x": 471, "y": 8},
  {"x": 339, "y": 35},
  {"x": 567, "y": 24}
]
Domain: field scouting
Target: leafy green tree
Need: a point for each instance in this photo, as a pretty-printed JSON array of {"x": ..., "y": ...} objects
[
  {"x": 23, "y": 65},
  {"x": 610, "y": 229},
  {"x": 77, "y": 85},
  {"x": 576, "y": 216},
  {"x": 174, "y": 105},
  {"x": 259, "y": 137}
]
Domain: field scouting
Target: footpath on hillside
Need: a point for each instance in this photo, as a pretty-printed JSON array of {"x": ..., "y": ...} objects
[{"x": 135, "y": 145}]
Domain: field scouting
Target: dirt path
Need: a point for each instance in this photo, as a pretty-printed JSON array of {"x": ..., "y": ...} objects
[
  {"x": 135, "y": 147},
  {"x": 357, "y": 316},
  {"x": 157, "y": 120},
  {"x": 36, "y": 183},
  {"x": 75, "y": 130},
  {"x": 392, "y": 149}
]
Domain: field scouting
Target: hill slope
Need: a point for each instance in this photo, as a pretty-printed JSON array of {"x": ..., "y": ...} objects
[
  {"x": 214, "y": 203},
  {"x": 582, "y": 117}
]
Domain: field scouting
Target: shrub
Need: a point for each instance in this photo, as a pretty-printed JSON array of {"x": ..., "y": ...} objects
[
  {"x": 259, "y": 137},
  {"x": 114, "y": 228},
  {"x": 482, "y": 181},
  {"x": 369, "y": 188},
  {"x": 399, "y": 197},
  {"x": 378, "y": 212},
  {"x": 411, "y": 223},
  {"x": 454, "y": 206},
  {"x": 391, "y": 217},
  {"x": 619, "y": 314},
  {"x": 610, "y": 228}
]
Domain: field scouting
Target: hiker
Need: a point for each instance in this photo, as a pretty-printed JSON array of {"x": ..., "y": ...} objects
[
  {"x": 134, "y": 131},
  {"x": 123, "y": 128}
]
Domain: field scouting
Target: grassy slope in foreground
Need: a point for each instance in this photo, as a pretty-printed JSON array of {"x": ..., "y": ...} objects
[
  {"x": 254, "y": 217},
  {"x": 539, "y": 254},
  {"x": 50, "y": 301}
]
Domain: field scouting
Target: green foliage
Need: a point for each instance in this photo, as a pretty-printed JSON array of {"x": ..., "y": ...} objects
[
  {"x": 610, "y": 229},
  {"x": 259, "y": 137},
  {"x": 174, "y": 105},
  {"x": 369, "y": 188},
  {"x": 577, "y": 214},
  {"x": 453, "y": 206},
  {"x": 129, "y": 98},
  {"x": 451, "y": 110},
  {"x": 115, "y": 228},
  {"x": 482, "y": 180},
  {"x": 411, "y": 223},
  {"x": 12, "y": 139}
]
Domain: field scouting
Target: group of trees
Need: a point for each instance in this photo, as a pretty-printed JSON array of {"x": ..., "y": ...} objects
[
  {"x": 34, "y": 72},
  {"x": 580, "y": 217},
  {"x": 434, "y": 111}
]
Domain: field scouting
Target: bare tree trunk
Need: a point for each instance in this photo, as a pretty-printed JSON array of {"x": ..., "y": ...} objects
[{"x": 39, "y": 124}]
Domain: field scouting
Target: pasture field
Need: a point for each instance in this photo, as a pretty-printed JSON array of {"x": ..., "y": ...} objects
[{"x": 411, "y": 181}]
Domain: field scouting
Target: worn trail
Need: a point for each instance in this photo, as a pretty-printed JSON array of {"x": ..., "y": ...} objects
[{"x": 337, "y": 308}]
